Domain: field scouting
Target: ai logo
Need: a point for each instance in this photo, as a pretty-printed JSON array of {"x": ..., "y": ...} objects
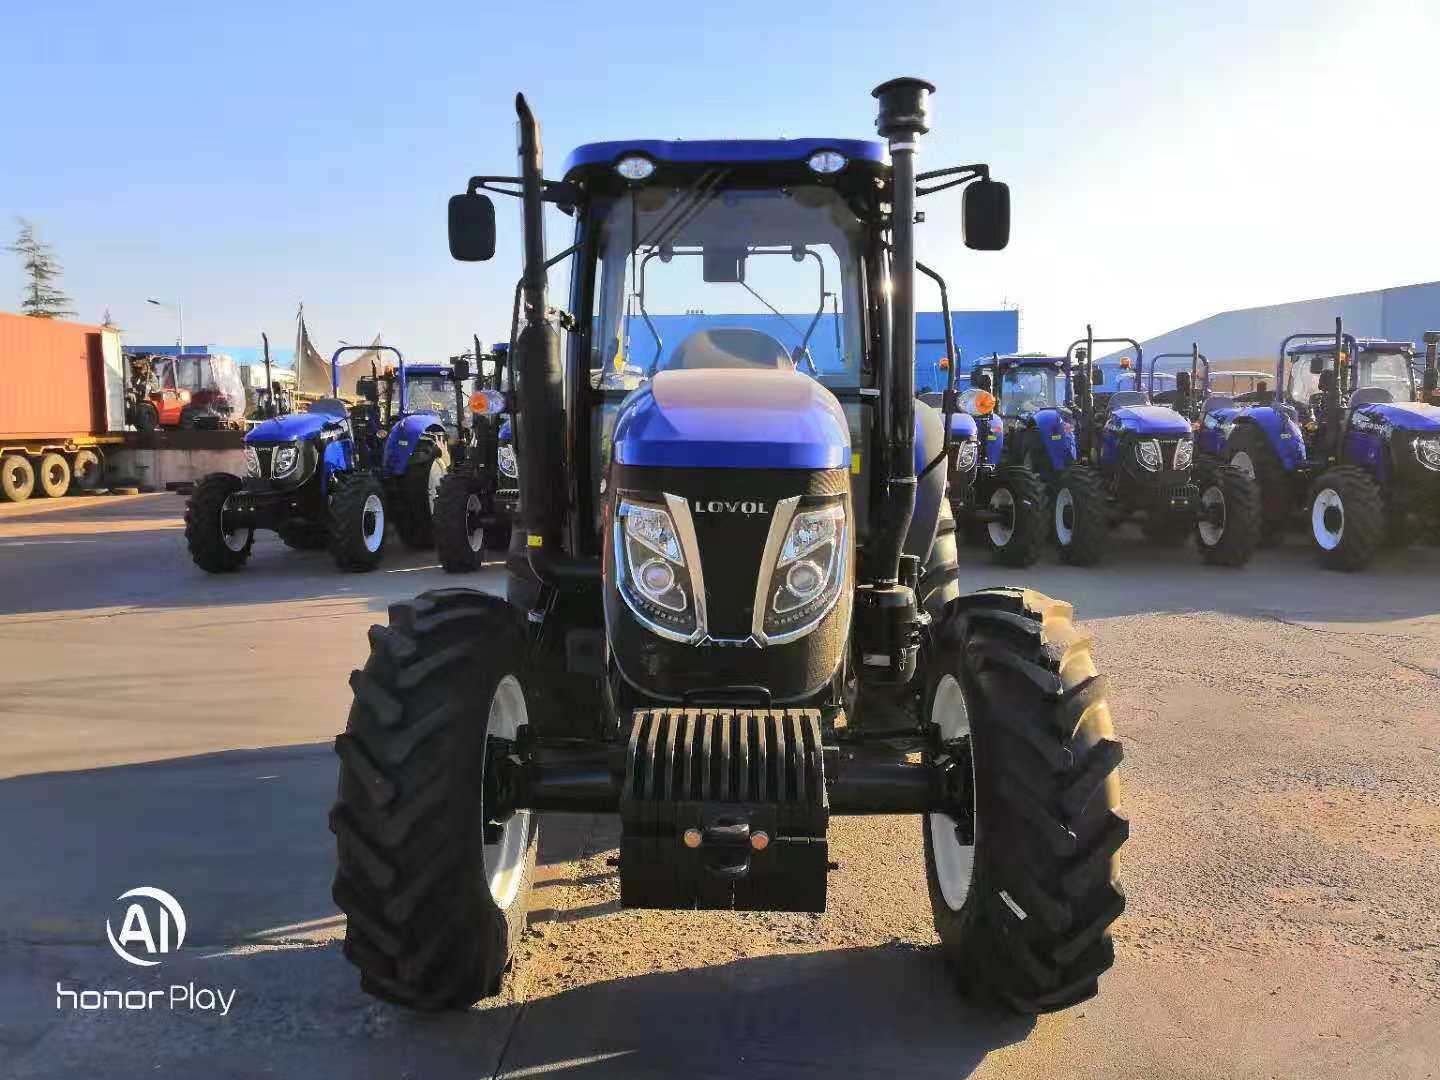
[{"x": 158, "y": 933}]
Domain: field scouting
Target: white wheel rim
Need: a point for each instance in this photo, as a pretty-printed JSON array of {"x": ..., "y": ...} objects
[
  {"x": 1212, "y": 506},
  {"x": 505, "y": 859},
  {"x": 372, "y": 523},
  {"x": 437, "y": 474},
  {"x": 954, "y": 861},
  {"x": 1064, "y": 512},
  {"x": 1242, "y": 461},
  {"x": 1000, "y": 532},
  {"x": 236, "y": 540},
  {"x": 1328, "y": 504},
  {"x": 474, "y": 531}
]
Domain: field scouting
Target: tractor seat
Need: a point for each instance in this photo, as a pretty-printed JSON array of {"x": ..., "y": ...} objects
[
  {"x": 1216, "y": 401},
  {"x": 1122, "y": 398},
  {"x": 1370, "y": 395},
  {"x": 730, "y": 347},
  {"x": 330, "y": 407}
]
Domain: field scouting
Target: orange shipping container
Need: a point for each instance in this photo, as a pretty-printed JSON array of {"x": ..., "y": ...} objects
[{"x": 53, "y": 378}]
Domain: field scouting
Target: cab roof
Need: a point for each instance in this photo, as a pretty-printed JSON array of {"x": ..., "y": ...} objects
[
  {"x": 1364, "y": 344},
  {"x": 1020, "y": 360},
  {"x": 719, "y": 151}
]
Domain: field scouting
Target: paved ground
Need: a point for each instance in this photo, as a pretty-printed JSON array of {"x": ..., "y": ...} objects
[{"x": 164, "y": 727}]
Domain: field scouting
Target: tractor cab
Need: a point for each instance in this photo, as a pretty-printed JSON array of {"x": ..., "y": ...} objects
[{"x": 1038, "y": 428}]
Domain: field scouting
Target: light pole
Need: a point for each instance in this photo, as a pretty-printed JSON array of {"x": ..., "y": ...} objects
[{"x": 179, "y": 309}]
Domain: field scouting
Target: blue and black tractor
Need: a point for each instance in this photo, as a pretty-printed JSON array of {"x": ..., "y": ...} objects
[
  {"x": 1347, "y": 438},
  {"x": 475, "y": 505},
  {"x": 733, "y": 607},
  {"x": 327, "y": 478},
  {"x": 1137, "y": 459}
]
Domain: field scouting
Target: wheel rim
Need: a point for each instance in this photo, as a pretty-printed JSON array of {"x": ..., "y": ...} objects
[
  {"x": 234, "y": 539},
  {"x": 474, "y": 531},
  {"x": 432, "y": 486},
  {"x": 1212, "y": 516},
  {"x": 15, "y": 473},
  {"x": 1064, "y": 515},
  {"x": 55, "y": 475},
  {"x": 1242, "y": 461},
  {"x": 505, "y": 859},
  {"x": 372, "y": 522},
  {"x": 1327, "y": 519},
  {"x": 1001, "y": 532},
  {"x": 954, "y": 861}
]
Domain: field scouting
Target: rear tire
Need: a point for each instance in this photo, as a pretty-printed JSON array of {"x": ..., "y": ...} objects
[
  {"x": 1079, "y": 517},
  {"x": 433, "y": 910},
  {"x": 1347, "y": 518},
  {"x": 1023, "y": 909},
  {"x": 356, "y": 522},
  {"x": 418, "y": 490},
  {"x": 52, "y": 476},
  {"x": 940, "y": 575},
  {"x": 17, "y": 477},
  {"x": 1018, "y": 542},
  {"x": 212, "y": 548},
  {"x": 460, "y": 538},
  {"x": 1230, "y": 495},
  {"x": 87, "y": 470}
]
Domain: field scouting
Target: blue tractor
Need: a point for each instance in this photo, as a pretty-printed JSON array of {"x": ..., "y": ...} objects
[
  {"x": 1137, "y": 459},
  {"x": 1347, "y": 438},
  {"x": 733, "y": 608},
  {"x": 327, "y": 478}
]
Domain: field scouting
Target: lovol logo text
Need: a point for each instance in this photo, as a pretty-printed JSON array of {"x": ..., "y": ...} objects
[{"x": 715, "y": 506}]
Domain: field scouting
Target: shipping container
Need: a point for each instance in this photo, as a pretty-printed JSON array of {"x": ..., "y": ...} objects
[{"x": 62, "y": 397}]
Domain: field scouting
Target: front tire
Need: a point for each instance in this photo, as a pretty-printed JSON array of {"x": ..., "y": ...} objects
[
  {"x": 419, "y": 488},
  {"x": 1079, "y": 516},
  {"x": 17, "y": 477},
  {"x": 216, "y": 547},
  {"x": 1347, "y": 518},
  {"x": 1249, "y": 451},
  {"x": 1023, "y": 876},
  {"x": 1019, "y": 539},
  {"x": 435, "y": 891},
  {"x": 53, "y": 475},
  {"x": 1229, "y": 518},
  {"x": 356, "y": 522},
  {"x": 460, "y": 538}
]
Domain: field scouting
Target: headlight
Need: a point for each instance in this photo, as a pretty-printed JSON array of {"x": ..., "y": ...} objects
[
  {"x": 284, "y": 461},
  {"x": 653, "y": 575},
  {"x": 1147, "y": 454},
  {"x": 252, "y": 462},
  {"x": 965, "y": 459},
  {"x": 1428, "y": 451},
  {"x": 505, "y": 459},
  {"x": 1184, "y": 454},
  {"x": 808, "y": 573}
]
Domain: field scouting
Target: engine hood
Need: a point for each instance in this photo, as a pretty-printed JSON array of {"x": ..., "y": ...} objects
[
  {"x": 732, "y": 419},
  {"x": 1404, "y": 415},
  {"x": 286, "y": 428},
  {"x": 1150, "y": 420}
]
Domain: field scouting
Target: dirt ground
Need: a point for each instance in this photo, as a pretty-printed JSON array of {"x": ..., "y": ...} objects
[{"x": 1282, "y": 776}]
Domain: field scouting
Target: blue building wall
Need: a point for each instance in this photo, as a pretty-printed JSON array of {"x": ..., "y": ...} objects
[{"x": 1250, "y": 337}]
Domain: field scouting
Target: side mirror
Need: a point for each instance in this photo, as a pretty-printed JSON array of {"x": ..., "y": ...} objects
[
  {"x": 981, "y": 381},
  {"x": 472, "y": 228},
  {"x": 1430, "y": 382},
  {"x": 461, "y": 366},
  {"x": 1080, "y": 380},
  {"x": 367, "y": 388},
  {"x": 1182, "y": 383},
  {"x": 987, "y": 215},
  {"x": 1317, "y": 365}
]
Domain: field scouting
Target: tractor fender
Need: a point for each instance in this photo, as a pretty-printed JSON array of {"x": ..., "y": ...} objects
[
  {"x": 336, "y": 456},
  {"x": 1056, "y": 434},
  {"x": 1282, "y": 434},
  {"x": 992, "y": 439},
  {"x": 405, "y": 435},
  {"x": 962, "y": 427},
  {"x": 929, "y": 492}
]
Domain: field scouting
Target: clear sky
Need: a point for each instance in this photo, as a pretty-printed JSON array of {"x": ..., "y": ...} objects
[{"x": 1166, "y": 161}]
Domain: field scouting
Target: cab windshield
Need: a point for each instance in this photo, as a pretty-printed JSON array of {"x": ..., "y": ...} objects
[
  {"x": 716, "y": 276},
  {"x": 1028, "y": 389},
  {"x": 1386, "y": 370},
  {"x": 429, "y": 394}
]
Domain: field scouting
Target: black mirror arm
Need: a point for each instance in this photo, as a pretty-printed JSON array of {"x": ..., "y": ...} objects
[
  {"x": 564, "y": 195},
  {"x": 962, "y": 174}
]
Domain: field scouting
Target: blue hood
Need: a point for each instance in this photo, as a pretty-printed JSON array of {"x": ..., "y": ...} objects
[
  {"x": 285, "y": 428},
  {"x": 1404, "y": 415},
  {"x": 712, "y": 418},
  {"x": 1150, "y": 420}
]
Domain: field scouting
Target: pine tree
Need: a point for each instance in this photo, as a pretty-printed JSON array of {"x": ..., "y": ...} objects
[{"x": 43, "y": 298}]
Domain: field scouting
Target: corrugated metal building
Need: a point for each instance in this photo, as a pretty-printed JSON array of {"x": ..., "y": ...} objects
[{"x": 1250, "y": 337}]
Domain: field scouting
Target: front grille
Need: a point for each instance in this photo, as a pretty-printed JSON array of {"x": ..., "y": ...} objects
[{"x": 264, "y": 454}]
